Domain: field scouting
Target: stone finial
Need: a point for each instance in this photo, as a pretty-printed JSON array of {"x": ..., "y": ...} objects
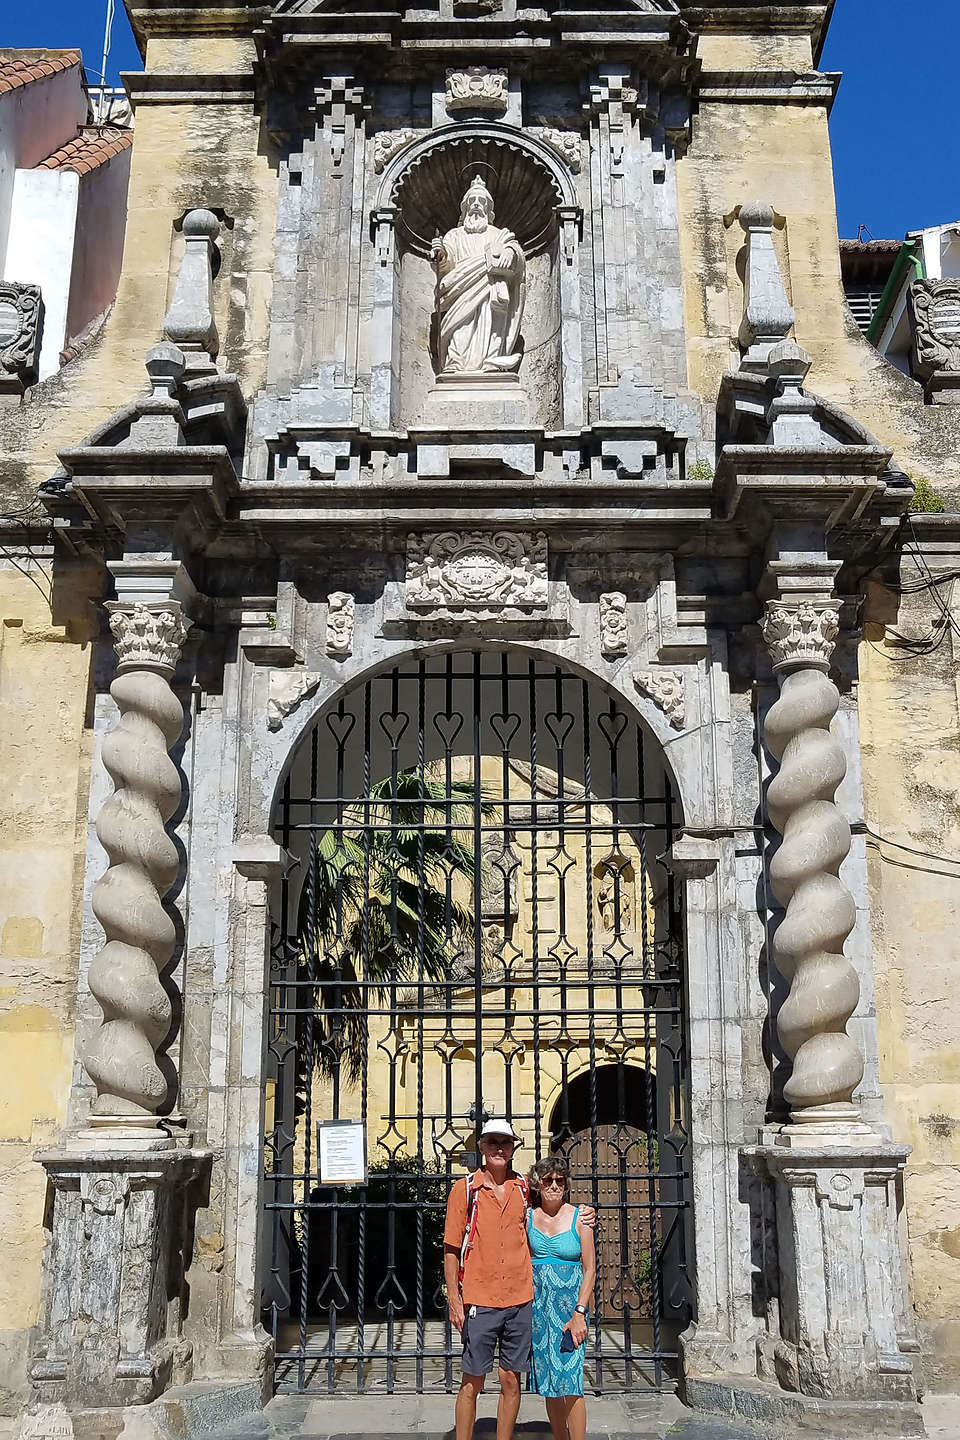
[
  {"x": 159, "y": 419},
  {"x": 768, "y": 315},
  {"x": 189, "y": 322}
]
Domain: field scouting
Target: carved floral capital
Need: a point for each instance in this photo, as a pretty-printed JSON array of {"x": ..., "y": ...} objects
[
  {"x": 147, "y": 637},
  {"x": 801, "y": 634}
]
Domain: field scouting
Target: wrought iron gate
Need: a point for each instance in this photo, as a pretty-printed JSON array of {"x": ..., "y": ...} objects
[{"x": 476, "y": 920}]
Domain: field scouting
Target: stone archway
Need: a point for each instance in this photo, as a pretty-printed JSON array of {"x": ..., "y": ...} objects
[{"x": 438, "y": 955}]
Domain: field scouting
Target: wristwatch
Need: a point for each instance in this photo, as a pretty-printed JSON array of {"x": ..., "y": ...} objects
[{"x": 581, "y": 1310}]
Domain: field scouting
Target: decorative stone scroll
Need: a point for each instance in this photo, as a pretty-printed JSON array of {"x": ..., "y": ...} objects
[
  {"x": 476, "y": 571},
  {"x": 614, "y": 637},
  {"x": 935, "y": 314},
  {"x": 387, "y": 143},
  {"x": 288, "y": 688},
  {"x": 802, "y": 634},
  {"x": 666, "y": 689},
  {"x": 341, "y": 609},
  {"x": 121, "y": 1058},
  {"x": 566, "y": 143},
  {"x": 477, "y": 88}
]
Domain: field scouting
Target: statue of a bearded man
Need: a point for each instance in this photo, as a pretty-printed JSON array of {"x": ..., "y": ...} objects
[{"x": 480, "y": 291}]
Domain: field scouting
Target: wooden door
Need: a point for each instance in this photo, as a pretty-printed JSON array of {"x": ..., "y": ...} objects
[{"x": 624, "y": 1263}]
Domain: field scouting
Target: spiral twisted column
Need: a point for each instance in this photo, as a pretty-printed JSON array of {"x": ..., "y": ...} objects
[
  {"x": 804, "y": 873},
  {"x": 121, "y": 1060}
]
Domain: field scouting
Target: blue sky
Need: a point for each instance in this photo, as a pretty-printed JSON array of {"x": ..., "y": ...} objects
[{"x": 894, "y": 125}]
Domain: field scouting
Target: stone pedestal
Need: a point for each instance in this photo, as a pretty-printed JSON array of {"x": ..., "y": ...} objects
[
  {"x": 844, "y": 1332},
  {"x": 477, "y": 402},
  {"x": 120, "y": 1226}
]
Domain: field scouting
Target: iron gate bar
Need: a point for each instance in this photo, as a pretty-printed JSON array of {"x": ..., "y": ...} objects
[{"x": 532, "y": 994}]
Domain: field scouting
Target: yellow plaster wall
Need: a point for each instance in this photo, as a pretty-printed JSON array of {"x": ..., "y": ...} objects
[
  {"x": 781, "y": 154},
  {"x": 183, "y": 155},
  {"x": 911, "y": 772},
  {"x": 908, "y": 710},
  {"x": 44, "y": 769}
]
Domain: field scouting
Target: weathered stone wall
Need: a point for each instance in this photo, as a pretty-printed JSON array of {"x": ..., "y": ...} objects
[
  {"x": 185, "y": 154},
  {"x": 44, "y": 762}
]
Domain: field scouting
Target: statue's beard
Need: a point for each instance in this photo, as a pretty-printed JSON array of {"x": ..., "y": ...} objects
[{"x": 475, "y": 224}]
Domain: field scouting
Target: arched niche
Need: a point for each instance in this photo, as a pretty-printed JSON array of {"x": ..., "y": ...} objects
[{"x": 423, "y": 189}]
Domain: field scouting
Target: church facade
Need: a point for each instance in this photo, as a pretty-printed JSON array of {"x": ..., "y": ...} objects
[{"x": 490, "y": 666}]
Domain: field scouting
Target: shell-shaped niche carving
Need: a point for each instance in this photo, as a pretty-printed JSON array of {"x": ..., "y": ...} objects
[{"x": 427, "y": 194}]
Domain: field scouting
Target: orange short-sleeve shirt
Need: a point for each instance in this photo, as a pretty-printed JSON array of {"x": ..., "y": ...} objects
[{"x": 498, "y": 1271}]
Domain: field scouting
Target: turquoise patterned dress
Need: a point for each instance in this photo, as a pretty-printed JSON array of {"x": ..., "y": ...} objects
[{"x": 557, "y": 1277}]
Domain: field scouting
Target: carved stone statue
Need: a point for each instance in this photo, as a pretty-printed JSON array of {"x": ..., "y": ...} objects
[{"x": 480, "y": 291}]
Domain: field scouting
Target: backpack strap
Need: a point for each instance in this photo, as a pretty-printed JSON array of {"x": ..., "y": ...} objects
[{"x": 470, "y": 1232}]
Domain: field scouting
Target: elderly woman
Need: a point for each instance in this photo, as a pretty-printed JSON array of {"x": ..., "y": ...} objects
[{"x": 564, "y": 1271}]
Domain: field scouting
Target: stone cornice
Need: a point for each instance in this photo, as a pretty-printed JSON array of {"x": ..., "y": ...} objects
[
  {"x": 160, "y": 87},
  {"x": 768, "y": 87}
]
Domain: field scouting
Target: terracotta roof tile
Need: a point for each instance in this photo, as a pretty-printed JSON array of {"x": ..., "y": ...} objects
[
  {"x": 19, "y": 68},
  {"x": 92, "y": 147}
]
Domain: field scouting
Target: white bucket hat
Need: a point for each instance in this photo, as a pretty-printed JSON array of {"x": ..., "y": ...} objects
[{"x": 498, "y": 1127}]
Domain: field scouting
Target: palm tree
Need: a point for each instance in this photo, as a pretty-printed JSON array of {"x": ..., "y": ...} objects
[{"x": 378, "y": 908}]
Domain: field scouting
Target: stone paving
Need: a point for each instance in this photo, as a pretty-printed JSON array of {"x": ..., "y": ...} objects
[{"x": 431, "y": 1417}]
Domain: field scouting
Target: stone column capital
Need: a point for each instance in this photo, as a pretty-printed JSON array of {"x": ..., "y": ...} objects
[
  {"x": 800, "y": 634},
  {"x": 147, "y": 636}
]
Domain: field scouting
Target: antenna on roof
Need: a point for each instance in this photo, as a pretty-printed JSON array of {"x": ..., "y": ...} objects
[
  {"x": 107, "y": 35},
  {"x": 862, "y": 230}
]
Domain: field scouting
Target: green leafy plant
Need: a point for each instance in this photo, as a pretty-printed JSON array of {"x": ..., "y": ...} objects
[
  {"x": 926, "y": 500},
  {"x": 702, "y": 471},
  {"x": 379, "y": 908}
]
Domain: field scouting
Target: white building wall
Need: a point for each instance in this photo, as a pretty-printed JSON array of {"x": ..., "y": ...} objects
[
  {"x": 35, "y": 120},
  {"x": 98, "y": 248},
  {"x": 40, "y": 249}
]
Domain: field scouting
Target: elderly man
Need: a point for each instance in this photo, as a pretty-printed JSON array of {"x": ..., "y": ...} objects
[
  {"x": 489, "y": 1275},
  {"x": 480, "y": 291}
]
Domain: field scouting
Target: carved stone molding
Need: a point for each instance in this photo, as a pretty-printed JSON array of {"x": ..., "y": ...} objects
[
  {"x": 387, "y": 143},
  {"x": 20, "y": 316},
  {"x": 566, "y": 143},
  {"x": 666, "y": 689},
  {"x": 340, "y": 104},
  {"x": 614, "y": 638},
  {"x": 477, "y": 571},
  {"x": 288, "y": 688},
  {"x": 147, "y": 637},
  {"x": 800, "y": 635},
  {"x": 935, "y": 314},
  {"x": 477, "y": 88},
  {"x": 341, "y": 609}
]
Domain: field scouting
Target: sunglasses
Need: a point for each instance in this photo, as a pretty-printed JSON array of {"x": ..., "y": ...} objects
[{"x": 552, "y": 1182}]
